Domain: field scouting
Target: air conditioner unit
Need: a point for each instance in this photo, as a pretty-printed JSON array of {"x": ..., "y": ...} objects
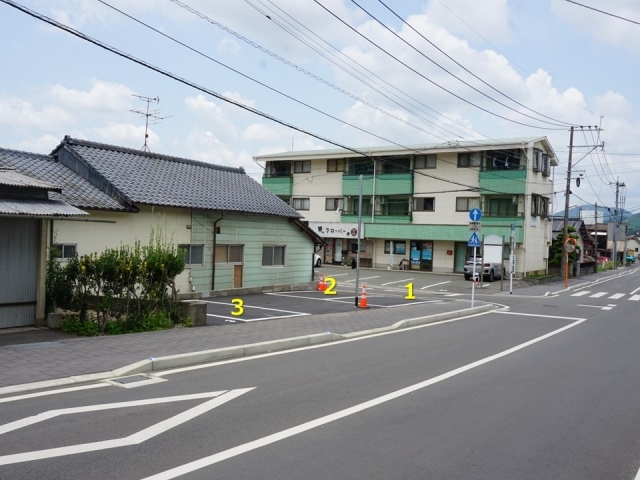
[
  {"x": 514, "y": 199},
  {"x": 382, "y": 200}
]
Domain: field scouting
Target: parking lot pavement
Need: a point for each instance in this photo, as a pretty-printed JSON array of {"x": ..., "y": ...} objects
[{"x": 271, "y": 306}]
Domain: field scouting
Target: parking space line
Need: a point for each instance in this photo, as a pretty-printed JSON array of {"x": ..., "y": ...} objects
[
  {"x": 435, "y": 284},
  {"x": 247, "y": 320},
  {"x": 365, "y": 278},
  {"x": 250, "y": 306},
  {"x": 339, "y": 300},
  {"x": 412, "y": 303},
  {"x": 397, "y": 281}
]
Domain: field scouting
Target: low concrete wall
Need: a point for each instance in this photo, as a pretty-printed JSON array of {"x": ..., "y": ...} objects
[
  {"x": 195, "y": 311},
  {"x": 230, "y": 292}
]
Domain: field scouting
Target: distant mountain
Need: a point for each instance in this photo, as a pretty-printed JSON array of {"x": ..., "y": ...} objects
[
  {"x": 634, "y": 224},
  {"x": 588, "y": 214}
]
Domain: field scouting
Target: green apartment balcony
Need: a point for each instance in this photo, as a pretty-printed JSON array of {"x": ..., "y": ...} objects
[
  {"x": 280, "y": 185},
  {"x": 378, "y": 217},
  {"x": 384, "y": 184},
  {"x": 507, "y": 181}
]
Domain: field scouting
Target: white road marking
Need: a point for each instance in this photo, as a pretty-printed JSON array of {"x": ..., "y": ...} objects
[
  {"x": 435, "y": 284},
  {"x": 608, "y": 307},
  {"x": 635, "y": 298},
  {"x": 398, "y": 281},
  {"x": 134, "y": 439},
  {"x": 635, "y": 291},
  {"x": 336, "y": 274},
  {"x": 52, "y": 392},
  {"x": 250, "y": 306},
  {"x": 601, "y": 307},
  {"x": 247, "y": 320},
  {"x": 290, "y": 432},
  {"x": 312, "y": 347},
  {"x": 408, "y": 304},
  {"x": 580, "y": 294},
  {"x": 616, "y": 296},
  {"x": 598, "y": 295},
  {"x": 538, "y": 315}
]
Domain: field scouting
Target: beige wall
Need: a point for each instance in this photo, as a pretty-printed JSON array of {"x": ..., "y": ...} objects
[
  {"x": 94, "y": 236},
  {"x": 317, "y": 186}
]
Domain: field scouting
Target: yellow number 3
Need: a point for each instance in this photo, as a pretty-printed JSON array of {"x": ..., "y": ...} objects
[{"x": 239, "y": 310}]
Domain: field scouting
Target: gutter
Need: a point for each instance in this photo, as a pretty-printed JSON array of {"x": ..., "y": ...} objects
[{"x": 213, "y": 255}]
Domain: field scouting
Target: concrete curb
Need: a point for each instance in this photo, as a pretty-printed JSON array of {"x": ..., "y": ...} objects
[{"x": 152, "y": 364}]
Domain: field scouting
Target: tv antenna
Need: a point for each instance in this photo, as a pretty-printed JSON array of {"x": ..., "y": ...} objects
[{"x": 149, "y": 114}]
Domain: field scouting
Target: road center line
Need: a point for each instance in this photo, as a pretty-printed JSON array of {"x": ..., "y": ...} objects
[{"x": 290, "y": 432}]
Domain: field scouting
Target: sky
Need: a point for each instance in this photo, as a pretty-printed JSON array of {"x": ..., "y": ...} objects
[{"x": 437, "y": 71}]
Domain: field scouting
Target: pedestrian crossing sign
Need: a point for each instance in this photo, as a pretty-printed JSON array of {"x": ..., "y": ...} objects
[{"x": 474, "y": 241}]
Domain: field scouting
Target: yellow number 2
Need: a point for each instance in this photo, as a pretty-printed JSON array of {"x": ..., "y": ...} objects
[
  {"x": 331, "y": 284},
  {"x": 239, "y": 310},
  {"x": 410, "y": 295}
]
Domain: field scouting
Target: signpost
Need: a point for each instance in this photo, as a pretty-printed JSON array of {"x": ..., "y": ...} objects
[
  {"x": 474, "y": 241},
  {"x": 512, "y": 257}
]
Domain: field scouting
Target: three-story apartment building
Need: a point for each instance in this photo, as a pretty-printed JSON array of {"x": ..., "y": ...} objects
[{"x": 416, "y": 201}]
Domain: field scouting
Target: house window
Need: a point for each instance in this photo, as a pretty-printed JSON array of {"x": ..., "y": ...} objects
[
  {"x": 278, "y": 169},
  {"x": 333, "y": 204},
  {"x": 273, "y": 255},
  {"x": 301, "y": 203},
  {"x": 424, "y": 204},
  {"x": 302, "y": 166},
  {"x": 335, "y": 165},
  {"x": 229, "y": 254},
  {"x": 469, "y": 159},
  {"x": 354, "y": 247},
  {"x": 193, "y": 254},
  {"x": 465, "y": 204},
  {"x": 537, "y": 160},
  {"x": 399, "y": 247},
  {"x": 65, "y": 251},
  {"x": 425, "y": 161}
]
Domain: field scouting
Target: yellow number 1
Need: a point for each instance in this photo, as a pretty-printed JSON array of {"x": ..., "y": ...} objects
[
  {"x": 410, "y": 295},
  {"x": 239, "y": 310}
]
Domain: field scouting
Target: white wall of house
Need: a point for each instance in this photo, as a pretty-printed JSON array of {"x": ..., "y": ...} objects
[
  {"x": 318, "y": 185},
  {"x": 92, "y": 236}
]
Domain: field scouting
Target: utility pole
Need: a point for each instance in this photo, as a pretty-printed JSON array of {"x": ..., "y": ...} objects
[
  {"x": 616, "y": 224},
  {"x": 567, "y": 193},
  {"x": 596, "y": 235},
  {"x": 155, "y": 118}
]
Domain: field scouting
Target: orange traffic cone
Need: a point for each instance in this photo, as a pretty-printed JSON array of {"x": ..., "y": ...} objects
[
  {"x": 323, "y": 284},
  {"x": 319, "y": 286},
  {"x": 363, "y": 297}
]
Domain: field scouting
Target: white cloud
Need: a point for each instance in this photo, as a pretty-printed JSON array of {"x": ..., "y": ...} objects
[
  {"x": 17, "y": 112},
  {"x": 604, "y": 28},
  {"x": 124, "y": 134},
  {"x": 229, "y": 46},
  {"x": 260, "y": 132},
  {"x": 613, "y": 104},
  {"x": 103, "y": 97},
  {"x": 215, "y": 117}
]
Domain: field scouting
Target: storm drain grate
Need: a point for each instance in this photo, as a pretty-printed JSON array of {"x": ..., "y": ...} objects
[
  {"x": 34, "y": 345},
  {"x": 132, "y": 379}
]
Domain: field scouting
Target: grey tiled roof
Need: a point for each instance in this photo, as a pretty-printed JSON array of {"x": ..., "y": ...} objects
[
  {"x": 75, "y": 189},
  {"x": 9, "y": 176},
  {"x": 38, "y": 208},
  {"x": 155, "y": 179}
]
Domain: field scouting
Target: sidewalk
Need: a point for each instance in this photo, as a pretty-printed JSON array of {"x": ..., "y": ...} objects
[{"x": 57, "y": 358}]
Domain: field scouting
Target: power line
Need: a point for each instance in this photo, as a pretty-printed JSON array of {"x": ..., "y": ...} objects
[
  {"x": 602, "y": 11},
  {"x": 457, "y": 63},
  {"x": 428, "y": 79}
]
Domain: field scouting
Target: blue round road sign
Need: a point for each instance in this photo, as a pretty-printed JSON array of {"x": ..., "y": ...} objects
[{"x": 475, "y": 214}]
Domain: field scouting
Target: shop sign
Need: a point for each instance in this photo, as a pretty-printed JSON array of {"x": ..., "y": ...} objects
[{"x": 335, "y": 229}]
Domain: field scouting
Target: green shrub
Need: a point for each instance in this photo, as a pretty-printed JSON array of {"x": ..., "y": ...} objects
[{"x": 74, "y": 326}]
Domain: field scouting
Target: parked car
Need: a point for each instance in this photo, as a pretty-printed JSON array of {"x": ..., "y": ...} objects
[
  {"x": 587, "y": 259},
  {"x": 489, "y": 270},
  {"x": 603, "y": 259},
  {"x": 631, "y": 259},
  {"x": 317, "y": 260}
]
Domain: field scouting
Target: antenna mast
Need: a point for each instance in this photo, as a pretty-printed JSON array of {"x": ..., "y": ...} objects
[{"x": 153, "y": 115}]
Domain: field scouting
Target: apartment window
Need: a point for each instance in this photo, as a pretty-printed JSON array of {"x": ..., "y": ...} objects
[
  {"x": 470, "y": 159},
  {"x": 273, "y": 255},
  {"x": 396, "y": 165},
  {"x": 424, "y": 204},
  {"x": 546, "y": 165},
  {"x": 502, "y": 207},
  {"x": 278, "y": 169},
  {"x": 301, "y": 203},
  {"x": 193, "y": 254},
  {"x": 537, "y": 160},
  {"x": 465, "y": 204},
  {"x": 425, "y": 161},
  {"x": 539, "y": 206},
  {"x": 360, "y": 167},
  {"x": 229, "y": 253},
  {"x": 65, "y": 250},
  {"x": 302, "y": 166},
  {"x": 535, "y": 202},
  {"x": 333, "y": 204},
  {"x": 399, "y": 247},
  {"x": 335, "y": 165}
]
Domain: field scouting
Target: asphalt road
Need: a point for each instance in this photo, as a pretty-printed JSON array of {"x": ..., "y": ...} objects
[{"x": 547, "y": 388}]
